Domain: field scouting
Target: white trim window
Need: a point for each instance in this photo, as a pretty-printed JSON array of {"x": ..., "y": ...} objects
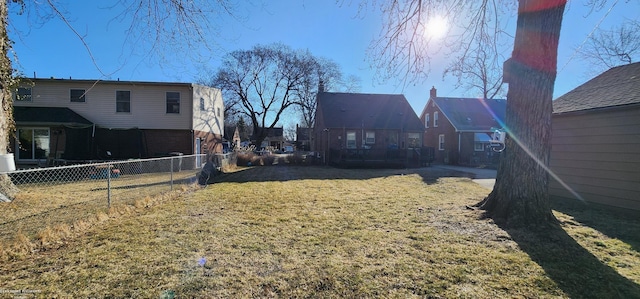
[
  {"x": 480, "y": 140},
  {"x": 351, "y": 139},
  {"x": 370, "y": 137},
  {"x": 202, "y": 105},
  {"x": 441, "y": 142},
  {"x": 123, "y": 101},
  {"x": 427, "y": 119},
  {"x": 435, "y": 119},
  {"x": 414, "y": 140}
]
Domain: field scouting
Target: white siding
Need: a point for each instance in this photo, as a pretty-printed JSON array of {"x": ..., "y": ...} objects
[
  {"x": 148, "y": 102},
  {"x": 211, "y": 120}
]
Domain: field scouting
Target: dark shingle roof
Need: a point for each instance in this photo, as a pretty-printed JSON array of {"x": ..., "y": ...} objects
[
  {"x": 618, "y": 86},
  {"x": 48, "y": 115},
  {"x": 376, "y": 111},
  {"x": 471, "y": 114},
  {"x": 271, "y": 132}
]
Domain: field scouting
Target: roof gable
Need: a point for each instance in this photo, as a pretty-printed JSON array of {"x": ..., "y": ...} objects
[
  {"x": 618, "y": 86},
  {"x": 473, "y": 114},
  {"x": 375, "y": 111}
]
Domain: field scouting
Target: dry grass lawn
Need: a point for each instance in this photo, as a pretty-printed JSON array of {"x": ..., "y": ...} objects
[
  {"x": 41, "y": 206},
  {"x": 319, "y": 232}
]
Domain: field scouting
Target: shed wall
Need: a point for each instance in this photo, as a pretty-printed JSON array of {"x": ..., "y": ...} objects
[{"x": 597, "y": 155}]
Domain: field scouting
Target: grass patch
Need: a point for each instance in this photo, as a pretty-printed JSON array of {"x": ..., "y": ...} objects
[
  {"x": 43, "y": 215},
  {"x": 325, "y": 232}
]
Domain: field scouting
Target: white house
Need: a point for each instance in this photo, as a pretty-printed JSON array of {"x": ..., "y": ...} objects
[{"x": 97, "y": 119}]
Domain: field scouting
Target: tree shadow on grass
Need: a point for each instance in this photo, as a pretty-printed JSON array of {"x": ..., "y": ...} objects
[
  {"x": 429, "y": 175},
  {"x": 618, "y": 223},
  {"x": 574, "y": 269}
]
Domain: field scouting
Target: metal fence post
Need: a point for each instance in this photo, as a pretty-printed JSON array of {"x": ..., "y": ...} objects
[
  {"x": 109, "y": 186},
  {"x": 171, "y": 174}
]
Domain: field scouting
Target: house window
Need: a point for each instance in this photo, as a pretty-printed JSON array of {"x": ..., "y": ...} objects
[
  {"x": 202, "y": 108},
  {"x": 33, "y": 143},
  {"x": 370, "y": 138},
  {"x": 123, "y": 101},
  {"x": 23, "y": 94},
  {"x": 480, "y": 140},
  {"x": 392, "y": 140},
  {"x": 218, "y": 111},
  {"x": 441, "y": 142},
  {"x": 414, "y": 140},
  {"x": 77, "y": 95},
  {"x": 351, "y": 139},
  {"x": 435, "y": 119},
  {"x": 173, "y": 102},
  {"x": 426, "y": 120}
]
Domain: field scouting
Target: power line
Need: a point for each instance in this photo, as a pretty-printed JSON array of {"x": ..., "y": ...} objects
[{"x": 589, "y": 35}]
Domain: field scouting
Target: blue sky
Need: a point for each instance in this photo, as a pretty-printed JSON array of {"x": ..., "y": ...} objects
[{"x": 51, "y": 49}]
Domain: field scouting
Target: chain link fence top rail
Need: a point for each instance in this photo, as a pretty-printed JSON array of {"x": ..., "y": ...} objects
[{"x": 66, "y": 194}]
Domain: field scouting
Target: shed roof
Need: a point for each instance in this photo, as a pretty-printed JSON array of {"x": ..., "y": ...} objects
[
  {"x": 473, "y": 114},
  {"x": 374, "y": 111},
  {"x": 619, "y": 86}
]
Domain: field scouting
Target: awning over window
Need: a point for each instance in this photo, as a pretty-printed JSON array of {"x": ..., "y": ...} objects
[
  {"x": 46, "y": 116},
  {"x": 481, "y": 137}
]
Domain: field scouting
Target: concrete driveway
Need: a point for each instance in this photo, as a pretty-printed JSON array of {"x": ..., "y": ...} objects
[{"x": 482, "y": 176}]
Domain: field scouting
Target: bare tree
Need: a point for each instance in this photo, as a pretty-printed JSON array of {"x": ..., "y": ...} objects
[
  {"x": 155, "y": 26},
  {"x": 328, "y": 74},
  {"x": 289, "y": 133},
  {"x": 264, "y": 81},
  {"x": 232, "y": 106},
  {"x": 520, "y": 196},
  {"x": 610, "y": 48},
  {"x": 404, "y": 49},
  {"x": 7, "y": 84},
  {"x": 478, "y": 65},
  {"x": 481, "y": 71}
]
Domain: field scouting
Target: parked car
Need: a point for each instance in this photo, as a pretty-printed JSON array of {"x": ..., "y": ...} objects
[{"x": 288, "y": 149}]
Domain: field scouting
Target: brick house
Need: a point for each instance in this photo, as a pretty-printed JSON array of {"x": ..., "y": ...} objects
[
  {"x": 367, "y": 130},
  {"x": 460, "y": 128}
]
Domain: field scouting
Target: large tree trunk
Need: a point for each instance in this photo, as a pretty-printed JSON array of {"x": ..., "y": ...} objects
[
  {"x": 520, "y": 196},
  {"x": 7, "y": 189}
]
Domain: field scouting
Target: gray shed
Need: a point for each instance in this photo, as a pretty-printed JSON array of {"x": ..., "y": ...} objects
[{"x": 596, "y": 140}]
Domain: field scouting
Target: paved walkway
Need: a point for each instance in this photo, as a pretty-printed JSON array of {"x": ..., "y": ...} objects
[{"x": 482, "y": 176}]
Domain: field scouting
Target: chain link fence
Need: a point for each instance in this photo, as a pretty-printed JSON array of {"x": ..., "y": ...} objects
[{"x": 67, "y": 194}]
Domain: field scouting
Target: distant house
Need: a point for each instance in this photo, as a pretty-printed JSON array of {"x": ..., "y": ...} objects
[
  {"x": 460, "y": 128},
  {"x": 274, "y": 137},
  {"x": 60, "y": 119},
  {"x": 367, "y": 130},
  {"x": 232, "y": 137},
  {"x": 595, "y": 148},
  {"x": 236, "y": 140}
]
